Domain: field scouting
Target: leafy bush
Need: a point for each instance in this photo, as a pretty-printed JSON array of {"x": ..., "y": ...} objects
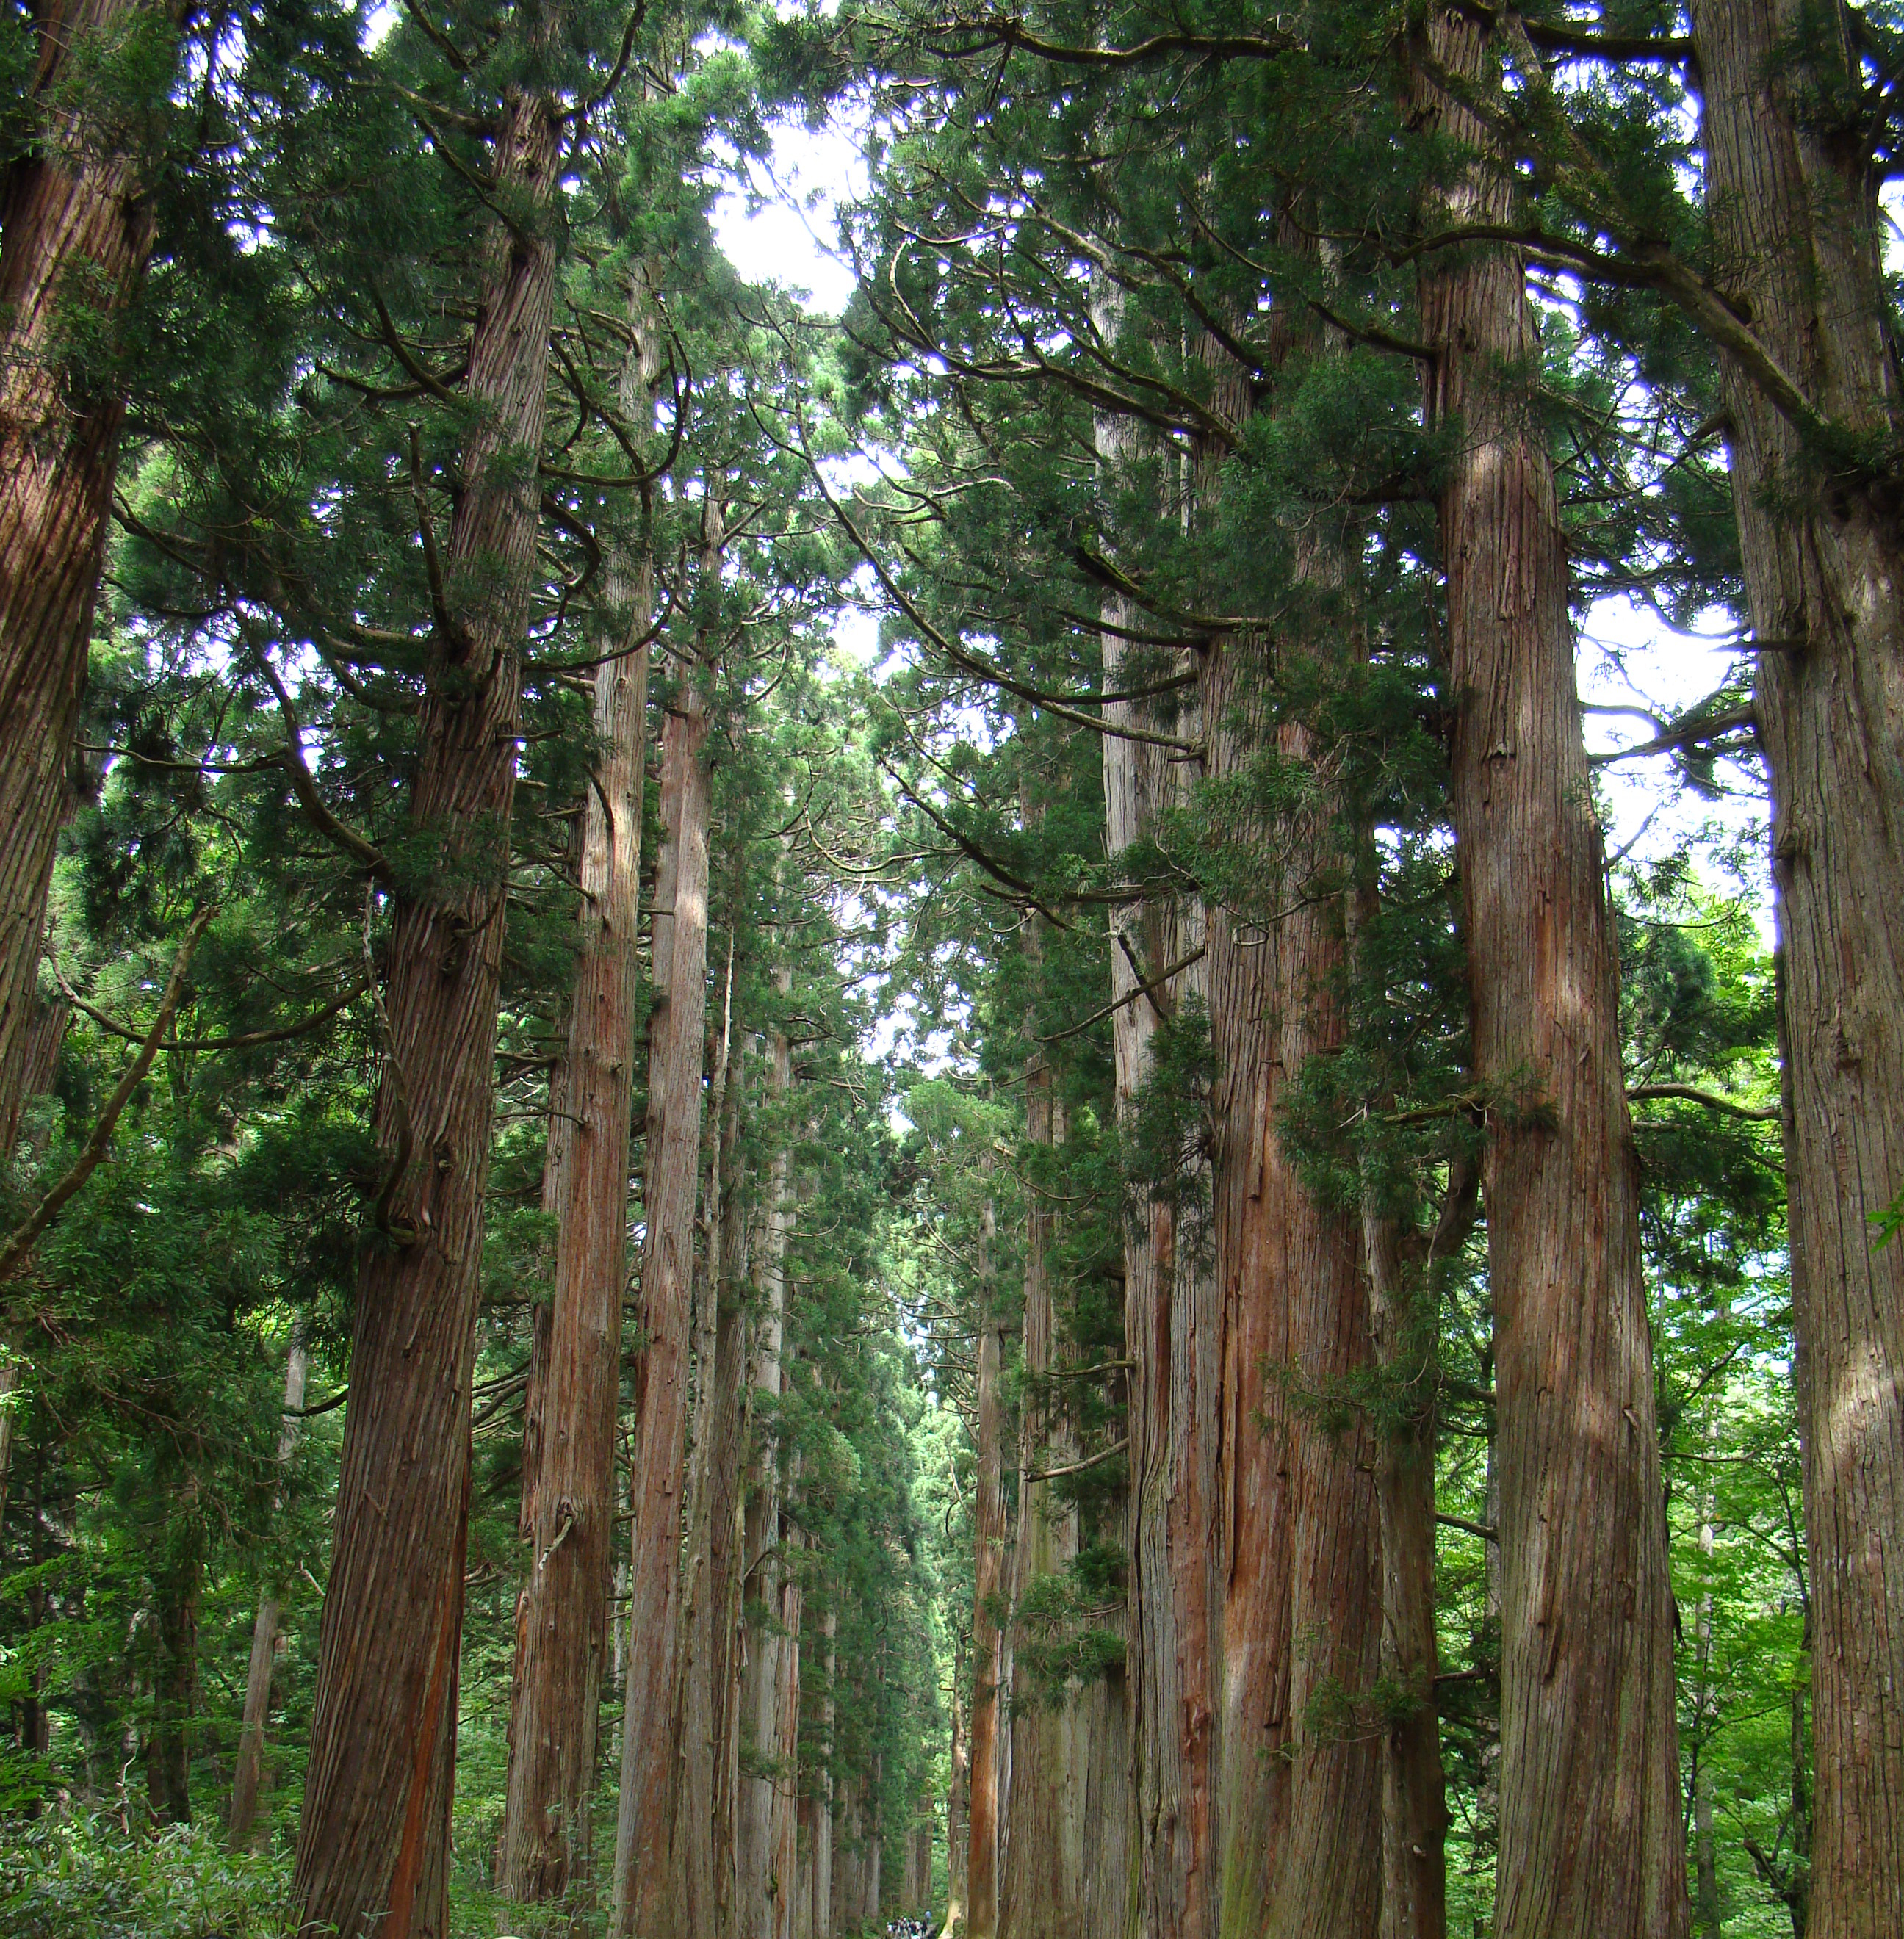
[{"x": 81, "y": 1877}]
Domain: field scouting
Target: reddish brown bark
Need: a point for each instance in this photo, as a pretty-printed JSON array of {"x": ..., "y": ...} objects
[
  {"x": 74, "y": 228},
  {"x": 575, "y": 1389},
  {"x": 1793, "y": 195},
  {"x": 372, "y": 1843},
  {"x": 648, "y": 1882},
  {"x": 1173, "y": 1331},
  {"x": 1591, "y": 1844}
]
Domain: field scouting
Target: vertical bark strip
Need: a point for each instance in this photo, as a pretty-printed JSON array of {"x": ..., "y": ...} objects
[
  {"x": 372, "y": 1850},
  {"x": 1041, "y": 1887},
  {"x": 647, "y": 1884},
  {"x": 1793, "y": 200},
  {"x": 1591, "y": 1842},
  {"x": 248, "y": 1771},
  {"x": 764, "y": 1881},
  {"x": 74, "y": 228},
  {"x": 1172, "y": 1333},
  {"x": 716, "y": 1388},
  {"x": 988, "y": 1531},
  {"x": 575, "y": 1385}
]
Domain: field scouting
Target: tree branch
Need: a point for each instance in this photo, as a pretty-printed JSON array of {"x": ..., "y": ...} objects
[{"x": 22, "y": 1242}]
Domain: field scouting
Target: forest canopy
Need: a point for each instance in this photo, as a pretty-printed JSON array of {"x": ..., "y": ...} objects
[{"x": 1068, "y": 1102}]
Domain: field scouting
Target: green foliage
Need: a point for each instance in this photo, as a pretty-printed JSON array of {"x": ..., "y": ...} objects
[{"x": 82, "y": 1877}]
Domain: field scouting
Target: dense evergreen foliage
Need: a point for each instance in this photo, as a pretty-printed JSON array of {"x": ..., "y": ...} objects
[{"x": 670, "y": 1267}]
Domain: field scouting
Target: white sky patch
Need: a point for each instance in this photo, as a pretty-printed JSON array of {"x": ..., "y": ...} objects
[{"x": 784, "y": 227}]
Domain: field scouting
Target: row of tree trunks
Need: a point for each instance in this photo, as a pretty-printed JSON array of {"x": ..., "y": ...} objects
[
  {"x": 649, "y": 1871},
  {"x": 372, "y": 1842},
  {"x": 1795, "y": 206},
  {"x": 764, "y": 1882},
  {"x": 573, "y": 1398},
  {"x": 707, "y": 1845},
  {"x": 74, "y": 228},
  {"x": 1041, "y": 1886},
  {"x": 990, "y": 1533},
  {"x": 1591, "y": 1842}
]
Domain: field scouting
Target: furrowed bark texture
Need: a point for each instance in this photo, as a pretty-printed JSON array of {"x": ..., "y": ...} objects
[
  {"x": 989, "y": 1536},
  {"x": 1302, "y": 1606},
  {"x": 1794, "y": 207},
  {"x": 76, "y": 229},
  {"x": 574, "y": 1391},
  {"x": 763, "y": 1846},
  {"x": 372, "y": 1842},
  {"x": 1172, "y": 1333},
  {"x": 248, "y": 1772},
  {"x": 648, "y": 1880},
  {"x": 1592, "y": 1843}
]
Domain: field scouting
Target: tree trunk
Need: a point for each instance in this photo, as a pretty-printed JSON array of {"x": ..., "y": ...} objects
[
  {"x": 716, "y": 1394},
  {"x": 249, "y": 1774},
  {"x": 957, "y": 1796},
  {"x": 1591, "y": 1841},
  {"x": 1172, "y": 1334},
  {"x": 728, "y": 1549},
  {"x": 1793, "y": 198},
  {"x": 990, "y": 1534},
  {"x": 75, "y": 227},
  {"x": 764, "y": 1877},
  {"x": 175, "y": 1693},
  {"x": 648, "y": 1882},
  {"x": 822, "y": 1799},
  {"x": 575, "y": 1389},
  {"x": 1402, "y": 1314},
  {"x": 372, "y": 1842},
  {"x": 1042, "y": 1874}
]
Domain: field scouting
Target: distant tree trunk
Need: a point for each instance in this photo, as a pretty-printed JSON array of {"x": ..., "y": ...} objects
[
  {"x": 958, "y": 1797},
  {"x": 1591, "y": 1840},
  {"x": 75, "y": 228},
  {"x": 727, "y": 1548},
  {"x": 1402, "y": 1317},
  {"x": 249, "y": 1771},
  {"x": 575, "y": 1392},
  {"x": 717, "y": 1392},
  {"x": 764, "y": 1876},
  {"x": 175, "y": 1692},
  {"x": 374, "y": 1839},
  {"x": 648, "y": 1879},
  {"x": 1043, "y": 1877},
  {"x": 1793, "y": 192},
  {"x": 785, "y": 1847},
  {"x": 988, "y": 1530},
  {"x": 822, "y": 1801}
]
